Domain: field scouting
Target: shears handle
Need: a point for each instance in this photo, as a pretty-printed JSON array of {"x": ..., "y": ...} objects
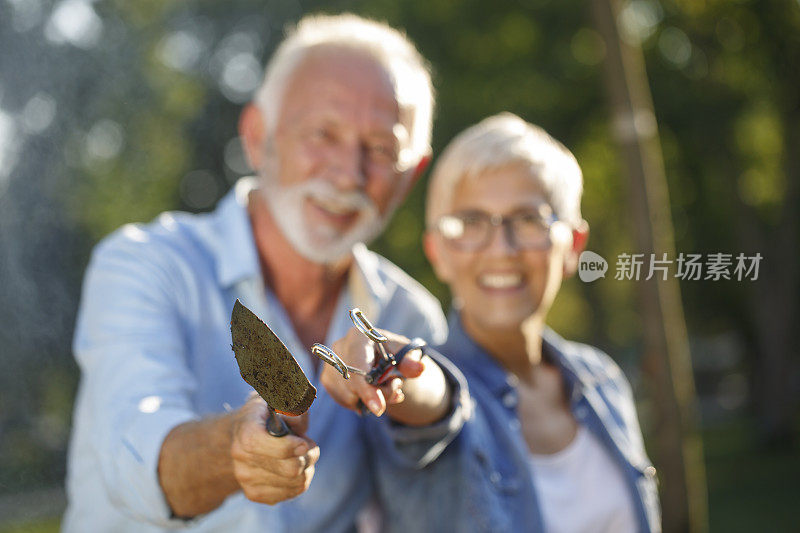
[{"x": 384, "y": 368}]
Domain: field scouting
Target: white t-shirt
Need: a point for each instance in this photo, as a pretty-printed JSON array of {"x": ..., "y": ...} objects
[{"x": 581, "y": 489}]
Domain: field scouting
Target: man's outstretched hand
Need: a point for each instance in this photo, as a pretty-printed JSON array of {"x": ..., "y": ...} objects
[
  {"x": 271, "y": 469},
  {"x": 203, "y": 462}
]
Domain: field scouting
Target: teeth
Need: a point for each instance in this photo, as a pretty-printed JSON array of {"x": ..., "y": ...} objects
[
  {"x": 334, "y": 208},
  {"x": 501, "y": 281},
  {"x": 337, "y": 210}
]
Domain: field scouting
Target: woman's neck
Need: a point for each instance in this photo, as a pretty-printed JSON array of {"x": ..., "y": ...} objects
[{"x": 517, "y": 348}]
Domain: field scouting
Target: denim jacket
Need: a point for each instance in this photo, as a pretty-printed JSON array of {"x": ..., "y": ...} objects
[{"x": 482, "y": 480}]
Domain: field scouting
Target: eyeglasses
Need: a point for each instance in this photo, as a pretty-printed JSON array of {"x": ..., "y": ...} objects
[{"x": 473, "y": 230}]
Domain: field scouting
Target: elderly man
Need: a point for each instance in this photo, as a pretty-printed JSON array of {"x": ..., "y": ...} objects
[{"x": 338, "y": 135}]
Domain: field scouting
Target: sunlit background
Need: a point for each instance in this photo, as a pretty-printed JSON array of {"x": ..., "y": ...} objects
[{"x": 112, "y": 111}]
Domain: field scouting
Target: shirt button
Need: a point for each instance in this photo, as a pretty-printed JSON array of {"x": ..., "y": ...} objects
[
  {"x": 581, "y": 412},
  {"x": 514, "y": 424},
  {"x": 495, "y": 477},
  {"x": 510, "y": 400},
  {"x": 650, "y": 472}
]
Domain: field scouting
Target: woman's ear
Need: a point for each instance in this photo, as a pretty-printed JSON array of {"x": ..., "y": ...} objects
[
  {"x": 580, "y": 235},
  {"x": 431, "y": 245},
  {"x": 252, "y": 133}
]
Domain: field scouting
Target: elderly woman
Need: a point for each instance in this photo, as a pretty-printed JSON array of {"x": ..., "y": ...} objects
[{"x": 553, "y": 443}]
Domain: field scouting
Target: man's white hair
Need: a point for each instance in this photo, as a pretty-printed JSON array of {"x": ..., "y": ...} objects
[
  {"x": 505, "y": 140},
  {"x": 389, "y": 47}
]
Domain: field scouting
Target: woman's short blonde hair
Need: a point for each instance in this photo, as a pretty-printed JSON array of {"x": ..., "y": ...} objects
[{"x": 500, "y": 141}]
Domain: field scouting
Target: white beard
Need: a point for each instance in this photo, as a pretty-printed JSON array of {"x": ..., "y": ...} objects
[{"x": 321, "y": 244}]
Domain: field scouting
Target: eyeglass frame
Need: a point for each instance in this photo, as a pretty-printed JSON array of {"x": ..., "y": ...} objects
[{"x": 496, "y": 220}]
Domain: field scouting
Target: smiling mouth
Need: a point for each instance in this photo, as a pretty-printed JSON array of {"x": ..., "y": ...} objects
[
  {"x": 500, "y": 281},
  {"x": 338, "y": 213}
]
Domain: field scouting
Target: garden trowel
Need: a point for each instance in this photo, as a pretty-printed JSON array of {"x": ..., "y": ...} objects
[{"x": 267, "y": 365}]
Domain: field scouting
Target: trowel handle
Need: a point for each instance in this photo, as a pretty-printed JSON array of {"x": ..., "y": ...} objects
[{"x": 276, "y": 426}]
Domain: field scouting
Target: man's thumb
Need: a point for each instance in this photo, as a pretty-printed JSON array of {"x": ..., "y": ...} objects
[{"x": 411, "y": 366}]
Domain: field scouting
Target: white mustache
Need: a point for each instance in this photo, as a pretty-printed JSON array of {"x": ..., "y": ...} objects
[
  {"x": 321, "y": 243},
  {"x": 324, "y": 192}
]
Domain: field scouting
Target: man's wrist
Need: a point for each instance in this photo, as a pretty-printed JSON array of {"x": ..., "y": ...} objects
[{"x": 188, "y": 490}]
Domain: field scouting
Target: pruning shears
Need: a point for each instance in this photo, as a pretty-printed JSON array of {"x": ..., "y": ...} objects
[{"x": 385, "y": 366}]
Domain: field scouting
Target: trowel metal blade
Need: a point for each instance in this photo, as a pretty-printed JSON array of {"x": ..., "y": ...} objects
[{"x": 267, "y": 365}]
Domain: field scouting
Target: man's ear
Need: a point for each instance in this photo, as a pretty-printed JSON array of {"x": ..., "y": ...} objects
[
  {"x": 580, "y": 236},
  {"x": 419, "y": 170},
  {"x": 253, "y": 133},
  {"x": 412, "y": 175},
  {"x": 430, "y": 244}
]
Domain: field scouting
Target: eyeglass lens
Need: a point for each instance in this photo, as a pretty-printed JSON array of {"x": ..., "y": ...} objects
[{"x": 474, "y": 229}]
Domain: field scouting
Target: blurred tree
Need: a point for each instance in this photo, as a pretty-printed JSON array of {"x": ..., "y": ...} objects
[
  {"x": 679, "y": 451},
  {"x": 731, "y": 90}
]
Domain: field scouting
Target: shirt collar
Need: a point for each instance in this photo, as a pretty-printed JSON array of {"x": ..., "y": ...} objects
[
  {"x": 365, "y": 284},
  {"x": 231, "y": 239},
  {"x": 477, "y": 364},
  {"x": 466, "y": 353}
]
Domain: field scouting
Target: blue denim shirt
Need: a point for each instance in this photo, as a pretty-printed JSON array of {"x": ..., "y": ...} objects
[
  {"x": 482, "y": 481},
  {"x": 153, "y": 344}
]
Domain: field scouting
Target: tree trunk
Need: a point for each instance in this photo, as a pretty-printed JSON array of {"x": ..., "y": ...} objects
[{"x": 667, "y": 361}]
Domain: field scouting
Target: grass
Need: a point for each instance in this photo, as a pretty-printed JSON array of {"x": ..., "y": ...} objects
[
  {"x": 49, "y": 525},
  {"x": 750, "y": 489}
]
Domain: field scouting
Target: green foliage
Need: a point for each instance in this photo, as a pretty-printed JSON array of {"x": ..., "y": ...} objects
[{"x": 720, "y": 107}]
